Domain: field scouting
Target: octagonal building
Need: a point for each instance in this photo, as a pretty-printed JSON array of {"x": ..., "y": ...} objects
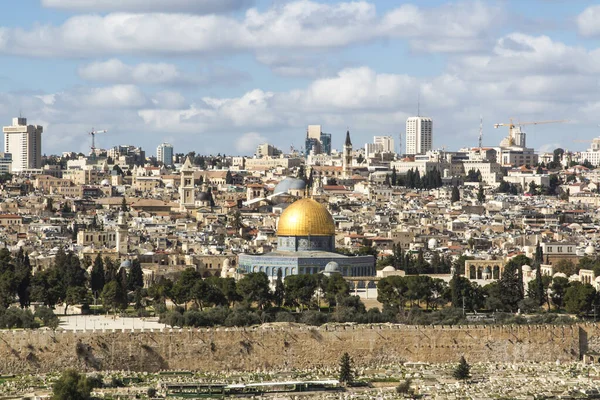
[{"x": 305, "y": 245}]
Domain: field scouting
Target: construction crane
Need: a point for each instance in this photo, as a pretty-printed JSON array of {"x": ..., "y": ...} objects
[
  {"x": 515, "y": 136},
  {"x": 93, "y": 133}
]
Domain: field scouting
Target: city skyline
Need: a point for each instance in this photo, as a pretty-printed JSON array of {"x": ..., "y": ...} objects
[{"x": 225, "y": 76}]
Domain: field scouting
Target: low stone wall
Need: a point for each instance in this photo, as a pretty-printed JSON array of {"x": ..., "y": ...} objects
[{"x": 285, "y": 347}]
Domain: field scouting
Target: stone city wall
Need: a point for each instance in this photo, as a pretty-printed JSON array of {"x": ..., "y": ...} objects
[{"x": 286, "y": 347}]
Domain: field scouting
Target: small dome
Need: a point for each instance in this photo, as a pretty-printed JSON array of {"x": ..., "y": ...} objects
[
  {"x": 169, "y": 185},
  {"x": 574, "y": 278},
  {"x": 231, "y": 270},
  {"x": 526, "y": 268},
  {"x": 432, "y": 243},
  {"x": 559, "y": 275},
  {"x": 332, "y": 266},
  {"x": 590, "y": 250},
  {"x": 288, "y": 184},
  {"x": 597, "y": 279},
  {"x": 126, "y": 264},
  {"x": 204, "y": 196},
  {"x": 105, "y": 182},
  {"x": 389, "y": 268}
]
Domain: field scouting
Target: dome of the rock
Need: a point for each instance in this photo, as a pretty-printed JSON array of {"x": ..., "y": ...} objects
[{"x": 306, "y": 217}]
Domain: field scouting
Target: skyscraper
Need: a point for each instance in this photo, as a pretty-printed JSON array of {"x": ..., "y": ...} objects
[
  {"x": 419, "y": 135},
  {"x": 24, "y": 143},
  {"x": 317, "y": 141},
  {"x": 164, "y": 154}
]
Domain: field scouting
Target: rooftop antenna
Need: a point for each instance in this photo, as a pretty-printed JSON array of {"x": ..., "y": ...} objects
[
  {"x": 480, "y": 132},
  {"x": 400, "y": 143}
]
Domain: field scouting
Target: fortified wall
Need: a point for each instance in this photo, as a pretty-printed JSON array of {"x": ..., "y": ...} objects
[{"x": 286, "y": 347}]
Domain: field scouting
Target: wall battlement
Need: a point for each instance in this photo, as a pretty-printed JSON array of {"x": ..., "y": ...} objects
[{"x": 285, "y": 347}]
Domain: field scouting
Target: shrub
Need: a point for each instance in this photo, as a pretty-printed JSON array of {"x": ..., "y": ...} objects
[
  {"x": 242, "y": 318},
  {"x": 47, "y": 316},
  {"x": 284, "y": 316},
  {"x": 312, "y": 317},
  {"x": 404, "y": 387},
  {"x": 172, "y": 318}
]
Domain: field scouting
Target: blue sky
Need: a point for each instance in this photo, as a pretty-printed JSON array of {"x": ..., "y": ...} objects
[{"x": 225, "y": 75}]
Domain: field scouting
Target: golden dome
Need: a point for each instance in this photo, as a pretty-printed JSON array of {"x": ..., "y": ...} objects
[{"x": 306, "y": 217}]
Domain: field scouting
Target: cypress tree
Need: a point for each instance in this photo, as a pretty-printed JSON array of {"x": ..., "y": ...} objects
[
  {"x": 462, "y": 370},
  {"x": 346, "y": 373}
]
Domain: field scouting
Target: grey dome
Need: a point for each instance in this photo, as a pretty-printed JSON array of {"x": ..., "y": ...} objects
[
  {"x": 126, "y": 264},
  {"x": 332, "y": 267},
  {"x": 289, "y": 183},
  {"x": 204, "y": 196}
]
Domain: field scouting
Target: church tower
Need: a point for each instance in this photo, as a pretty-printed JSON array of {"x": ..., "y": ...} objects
[
  {"x": 347, "y": 157},
  {"x": 187, "y": 198}
]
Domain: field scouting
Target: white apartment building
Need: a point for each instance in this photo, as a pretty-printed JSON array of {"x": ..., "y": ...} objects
[
  {"x": 164, "y": 153},
  {"x": 24, "y": 143},
  {"x": 592, "y": 155},
  {"x": 419, "y": 135}
]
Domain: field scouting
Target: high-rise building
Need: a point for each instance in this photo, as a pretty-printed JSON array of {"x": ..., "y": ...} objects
[
  {"x": 24, "y": 143},
  {"x": 385, "y": 143},
  {"x": 164, "y": 153},
  {"x": 419, "y": 135},
  {"x": 317, "y": 141},
  {"x": 326, "y": 143}
]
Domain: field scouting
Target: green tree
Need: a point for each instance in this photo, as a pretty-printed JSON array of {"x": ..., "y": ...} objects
[
  {"x": 71, "y": 386},
  {"x": 567, "y": 267},
  {"x": 279, "y": 293},
  {"x": 300, "y": 289},
  {"x": 540, "y": 293},
  {"x": 392, "y": 292},
  {"x": 97, "y": 276},
  {"x": 558, "y": 290},
  {"x": 481, "y": 194},
  {"x": 335, "y": 288},
  {"x": 346, "y": 369},
  {"x": 254, "y": 288},
  {"x": 113, "y": 297},
  {"x": 124, "y": 206},
  {"x": 462, "y": 371},
  {"x": 455, "y": 194},
  {"x": 579, "y": 298},
  {"x": 228, "y": 178},
  {"x": 135, "y": 278},
  {"x": 75, "y": 295}
]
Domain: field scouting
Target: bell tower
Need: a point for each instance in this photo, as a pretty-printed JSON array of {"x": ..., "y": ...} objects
[
  {"x": 187, "y": 197},
  {"x": 347, "y": 157}
]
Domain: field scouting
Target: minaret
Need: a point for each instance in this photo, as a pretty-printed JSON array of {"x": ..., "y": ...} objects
[
  {"x": 187, "y": 198},
  {"x": 122, "y": 237},
  {"x": 347, "y": 157}
]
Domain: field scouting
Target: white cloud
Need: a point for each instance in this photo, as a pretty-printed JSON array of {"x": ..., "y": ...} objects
[
  {"x": 164, "y": 74},
  {"x": 301, "y": 24},
  {"x": 115, "y": 71},
  {"x": 169, "y": 100},
  {"x": 194, "y": 6},
  {"x": 587, "y": 21},
  {"x": 248, "y": 141}
]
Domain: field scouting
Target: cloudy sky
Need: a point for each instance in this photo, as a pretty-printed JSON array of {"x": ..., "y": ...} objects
[{"x": 225, "y": 75}]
